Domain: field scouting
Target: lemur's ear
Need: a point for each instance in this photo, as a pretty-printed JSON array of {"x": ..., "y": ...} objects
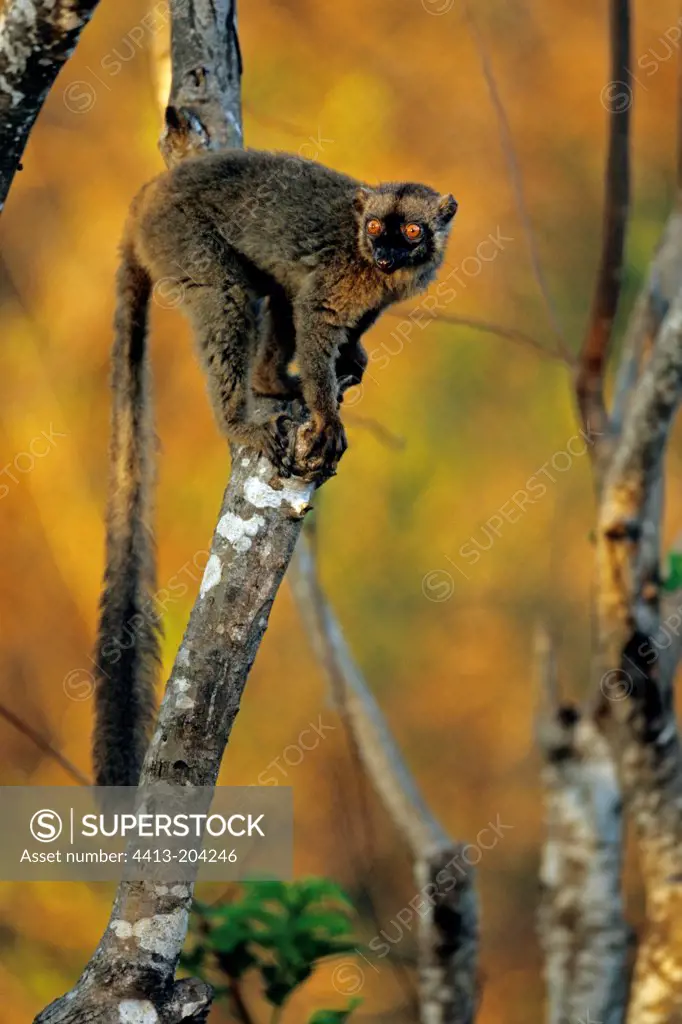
[
  {"x": 360, "y": 200},
  {"x": 447, "y": 208}
]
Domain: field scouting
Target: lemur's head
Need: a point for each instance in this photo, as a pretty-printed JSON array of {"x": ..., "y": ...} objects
[{"x": 403, "y": 226}]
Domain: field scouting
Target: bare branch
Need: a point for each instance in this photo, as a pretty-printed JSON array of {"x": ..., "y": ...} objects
[
  {"x": 580, "y": 920},
  {"x": 43, "y": 744},
  {"x": 37, "y": 37},
  {"x": 653, "y": 302},
  {"x": 635, "y": 702},
  {"x": 204, "y": 107},
  {"x": 377, "y": 748},
  {"x": 199, "y": 708},
  {"x": 509, "y": 150},
  {"x": 596, "y": 346},
  {"x": 448, "y": 942}
]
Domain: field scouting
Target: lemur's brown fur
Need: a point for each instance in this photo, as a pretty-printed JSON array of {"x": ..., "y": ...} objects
[{"x": 274, "y": 258}]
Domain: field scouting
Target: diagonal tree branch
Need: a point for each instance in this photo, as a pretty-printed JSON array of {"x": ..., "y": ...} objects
[
  {"x": 257, "y": 528},
  {"x": 43, "y": 744},
  {"x": 448, "y": 940},
  {"x": 37, "y": 37},
  {"x": 510, "y": 333}
]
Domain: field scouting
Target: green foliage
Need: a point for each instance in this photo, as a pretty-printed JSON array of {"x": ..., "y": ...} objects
[
  {"x": 281, "y": 930},
  {"x": 334, "y": 1016},
  {"x": 673, "y": 577}
]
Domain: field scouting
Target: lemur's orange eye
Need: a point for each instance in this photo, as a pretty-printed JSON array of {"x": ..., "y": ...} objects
[
  {"x": 374, "y": 227},
  {"x": 412, "y": 232}
]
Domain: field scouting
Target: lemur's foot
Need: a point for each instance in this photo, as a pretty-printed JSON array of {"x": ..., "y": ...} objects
[
  {"x": 319, "y": 447},
  {"x": 276, "y": 439}
]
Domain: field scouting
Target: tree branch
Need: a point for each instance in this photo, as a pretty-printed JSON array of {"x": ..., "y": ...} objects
[
  {"x": 653, "y": 302},
  {"x": 510, "y": 333},
  {"x": 596, "y": 346},
  {"x": 43, "y": 744},
  {"x": 259, "y": 522},
  {"x": 635, "y": 708},
  {"x": 37, "y": 37},
  {"x": 580, "y": 920},
  {"x": 448, "y": 940},
  {"x": 204, "y": 108}
]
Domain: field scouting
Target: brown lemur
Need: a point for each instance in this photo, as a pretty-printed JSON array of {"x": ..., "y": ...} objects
[{"x": 274, "y": 259}]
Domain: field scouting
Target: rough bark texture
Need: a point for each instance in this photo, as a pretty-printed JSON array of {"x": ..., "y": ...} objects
[
  {"x": 204, "y": 107},
  {"x": 37, "y": 37},
  {"x": 633, "y": 700},
  {"x": 581, "y": 925},
  {"x": 448, "y": 928},
  {"x": 641, "y": 724},
  {"x": 259, "y": 523}
]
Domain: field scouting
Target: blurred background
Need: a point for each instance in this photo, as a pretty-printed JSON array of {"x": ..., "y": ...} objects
[{"x": 437, "y": 584}]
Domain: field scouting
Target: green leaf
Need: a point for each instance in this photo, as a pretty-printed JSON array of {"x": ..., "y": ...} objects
[
  {"x": 673, "y": 578},
  {"x": 266, "y": 890},
  {"x": 334, "y": 1016},
  {"x": 327, "y": 922},
  {"x": 226, "y": 938},
  {"x": 320, "y": 889}
]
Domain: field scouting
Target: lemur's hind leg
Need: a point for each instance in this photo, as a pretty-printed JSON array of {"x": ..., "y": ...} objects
[
  {"x": 276, "y": 348},
  {"x": 222, "y": 312}
]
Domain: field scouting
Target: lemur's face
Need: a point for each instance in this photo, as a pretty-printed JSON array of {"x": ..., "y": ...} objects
[{"x": 403, "y": 226}]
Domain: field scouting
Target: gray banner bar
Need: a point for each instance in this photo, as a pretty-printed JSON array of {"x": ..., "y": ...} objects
[{"x": 160, "y": 833}]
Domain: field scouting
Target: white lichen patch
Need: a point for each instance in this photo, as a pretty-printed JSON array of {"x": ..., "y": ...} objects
[
  {"x": 183, "y": 701},
  {"x": 295, "y": 493},
  {"x": 180, "y": 890},
  {"x": 239, "y": 532},
  {"x": 137, "y": 1011},
  {"x": 212, "y": 575},
  {"x": 122, "y": 929},
  {"x": 162, "y": 934},
  {"x": 188, "y": 1009},
  {"x": 183, "y": 657}
]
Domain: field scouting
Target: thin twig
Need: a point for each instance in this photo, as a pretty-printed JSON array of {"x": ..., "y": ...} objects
[
  {"x": 43, "y": 744},
  {"x": 509, "y": 150},
  {"x": 241, "y": 1009},
  {"x": 509, "y": 333},
  {"x": 382, "y": 433}
]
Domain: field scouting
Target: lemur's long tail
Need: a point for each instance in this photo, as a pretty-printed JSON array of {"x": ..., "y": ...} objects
[{"x": 127, "y": 652}]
